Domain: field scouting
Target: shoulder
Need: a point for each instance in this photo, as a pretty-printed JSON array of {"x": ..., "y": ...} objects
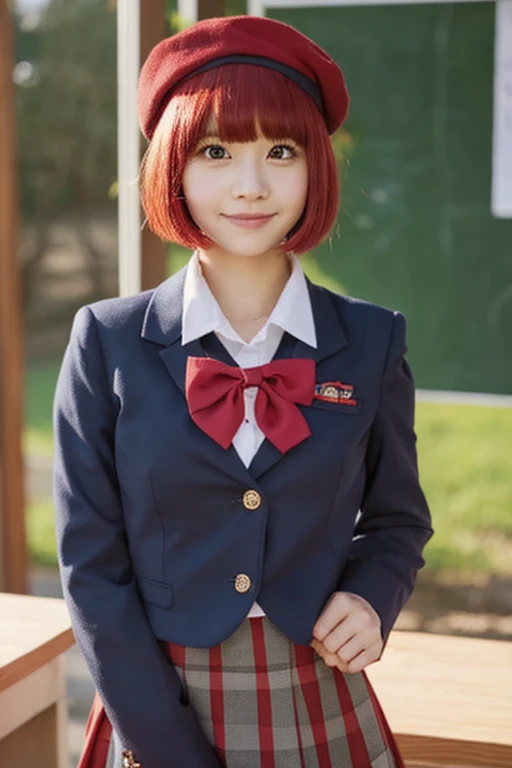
[
  {"x": 377, "y": 330},
  {"x": 359, "y": 316},
  {"x": 116, "y": 313},
  {"x": 112, "y": 321},
  {"x": 110, "y": 325},
  {"x": 359, "y": 309}
]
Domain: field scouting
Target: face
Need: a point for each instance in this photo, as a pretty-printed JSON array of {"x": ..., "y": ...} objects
[{"x": 246, "y": 197}]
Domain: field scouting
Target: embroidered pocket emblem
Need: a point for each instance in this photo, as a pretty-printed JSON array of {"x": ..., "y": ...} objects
[{"x": 336, "y": 392}]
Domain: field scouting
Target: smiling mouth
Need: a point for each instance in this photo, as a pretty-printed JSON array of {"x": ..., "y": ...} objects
[
  {"x": 249, "y": 220},
  {"x": 248, "y": 216}
]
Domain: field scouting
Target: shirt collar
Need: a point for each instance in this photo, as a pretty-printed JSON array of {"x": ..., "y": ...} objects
[{"x": 202, "y": 313}]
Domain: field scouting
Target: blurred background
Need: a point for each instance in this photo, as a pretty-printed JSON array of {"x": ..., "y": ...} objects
[{"x": 415, "y": 232}]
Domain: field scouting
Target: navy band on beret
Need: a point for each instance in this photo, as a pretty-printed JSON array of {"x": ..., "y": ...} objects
[{"x": 304, "y": 82}]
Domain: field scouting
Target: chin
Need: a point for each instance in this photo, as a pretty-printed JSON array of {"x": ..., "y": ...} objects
[
  {"x": 252, "y": 253},
  {"x": 243, "y": 248}
]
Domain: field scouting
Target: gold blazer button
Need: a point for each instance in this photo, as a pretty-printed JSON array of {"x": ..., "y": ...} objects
[
  {"x": 242, "y": 582},
  {"x": 252, "y": 500}
]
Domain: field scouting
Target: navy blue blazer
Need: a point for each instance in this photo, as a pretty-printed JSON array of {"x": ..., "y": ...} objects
[{"x": 151, "y": 526}]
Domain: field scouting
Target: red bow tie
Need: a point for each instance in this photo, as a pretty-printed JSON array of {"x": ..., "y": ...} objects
[{"x": 214, "y": 393}]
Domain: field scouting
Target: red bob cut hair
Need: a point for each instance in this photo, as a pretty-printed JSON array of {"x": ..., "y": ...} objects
[{"x": 237, "y": 96}]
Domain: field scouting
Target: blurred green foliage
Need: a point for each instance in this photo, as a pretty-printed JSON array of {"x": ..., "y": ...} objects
[
  {"x": 464, "y": 458},
  {"x": 66, "y": 114},
  {"x": 40, "y": 381},
  {"x": 41, "y": 533}
]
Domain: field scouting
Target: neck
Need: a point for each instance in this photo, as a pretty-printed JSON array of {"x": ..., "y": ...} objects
[{"x": 247, "y": 289}]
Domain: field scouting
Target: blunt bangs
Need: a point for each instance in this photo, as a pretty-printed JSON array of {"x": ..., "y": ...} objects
[{"x": 233, "y": 99}]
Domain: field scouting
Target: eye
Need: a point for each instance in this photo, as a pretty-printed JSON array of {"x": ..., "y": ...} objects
[
  {"x": 283, "y": 152},
  {"x": 214, "y": 152}
]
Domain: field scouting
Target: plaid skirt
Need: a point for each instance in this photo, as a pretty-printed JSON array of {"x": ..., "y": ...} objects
[{"x": 264, "y": 702}]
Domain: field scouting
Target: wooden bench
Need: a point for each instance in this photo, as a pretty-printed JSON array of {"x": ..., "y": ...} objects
[
  {"x": 34, "y": 634},
  {"x": 448, "y": 699}
]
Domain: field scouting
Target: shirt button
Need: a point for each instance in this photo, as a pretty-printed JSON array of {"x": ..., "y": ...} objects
[
  {"x": 242, "y": 582},
  {"x": 251, "y": 500}
]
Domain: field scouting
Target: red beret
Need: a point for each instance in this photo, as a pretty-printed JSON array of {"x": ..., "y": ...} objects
[{"x": 250, "y": 39}]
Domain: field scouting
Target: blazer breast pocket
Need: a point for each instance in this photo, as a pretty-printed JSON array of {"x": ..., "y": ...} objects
[
  {"x": 338, "y": 406},
  {"x": 156, "y": 592}
]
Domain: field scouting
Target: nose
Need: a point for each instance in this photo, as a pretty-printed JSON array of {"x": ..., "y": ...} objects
[{"x": 249, "y": 180}]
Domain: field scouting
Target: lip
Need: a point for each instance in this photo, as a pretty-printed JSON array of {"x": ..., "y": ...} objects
[{"x": 249, "y": 220}]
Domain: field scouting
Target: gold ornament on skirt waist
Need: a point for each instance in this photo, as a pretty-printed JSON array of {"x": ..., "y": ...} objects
[{"x": 129, "y": 761}]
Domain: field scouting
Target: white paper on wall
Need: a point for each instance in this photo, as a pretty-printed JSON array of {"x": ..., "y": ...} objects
[{"x": 501, "y": 194}]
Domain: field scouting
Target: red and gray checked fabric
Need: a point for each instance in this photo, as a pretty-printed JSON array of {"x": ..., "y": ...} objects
[{"x": 265, "y": 702}]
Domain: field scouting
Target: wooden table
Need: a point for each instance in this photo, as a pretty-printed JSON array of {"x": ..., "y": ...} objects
[
  {"x": 34, "y": 633},
  {"x": 448, "y": 699}
]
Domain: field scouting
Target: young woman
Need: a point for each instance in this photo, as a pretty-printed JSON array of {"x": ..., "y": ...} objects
[{"x": 239, "y": 516}]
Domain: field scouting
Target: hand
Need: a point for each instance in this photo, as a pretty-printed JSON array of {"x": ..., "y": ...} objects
[
  {"x": 331, "y": 659},
  {"x": 349, "y": 631}
]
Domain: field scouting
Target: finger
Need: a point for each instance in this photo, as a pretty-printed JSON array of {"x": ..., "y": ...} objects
[
  {"x": 360, "y": 624},
  {"x": 363, "y": 660},
  {"x": 341, "y": 634},
  {"x": 337, "y": 609},
  {"x": 350, "y": 650},
  {"x": 330, "y": 659},
  {"x": 342, "y": 666},
  {"x": 334, "y": 661},
  {"x": 355, "y": 630},
  {"x": 317, "y": 646}
]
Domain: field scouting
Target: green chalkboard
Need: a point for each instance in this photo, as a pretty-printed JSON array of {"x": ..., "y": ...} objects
[{"x": 415, "y": 231}]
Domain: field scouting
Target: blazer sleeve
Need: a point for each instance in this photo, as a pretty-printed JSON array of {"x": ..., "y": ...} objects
[
  {"x": 394, "y": 521},
  {"x": 138, "y": 685}
]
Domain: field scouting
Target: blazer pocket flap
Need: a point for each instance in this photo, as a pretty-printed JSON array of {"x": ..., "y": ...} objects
[
  {"x": 155, "y": 592},
  {"x": 339, "y": 407}
]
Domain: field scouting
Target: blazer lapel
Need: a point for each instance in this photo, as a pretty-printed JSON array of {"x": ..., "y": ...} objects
[
  {"x": 331, "y": 338},
  {"x": 162, "y": 325},
  {"x": 162, "y": 320},
  {"x": 330, "y": 332}
]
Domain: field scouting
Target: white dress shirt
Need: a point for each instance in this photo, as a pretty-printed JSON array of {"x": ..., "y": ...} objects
[{"x": 292, "y": 313}]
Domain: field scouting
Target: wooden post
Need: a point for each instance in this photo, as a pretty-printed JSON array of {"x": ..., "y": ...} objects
[
  {"x": 207, "y": 9},
  {"x": 153, "y": 28},
  {"x": 13, "y": 554},
  {"x": 128, "y": 147}
]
